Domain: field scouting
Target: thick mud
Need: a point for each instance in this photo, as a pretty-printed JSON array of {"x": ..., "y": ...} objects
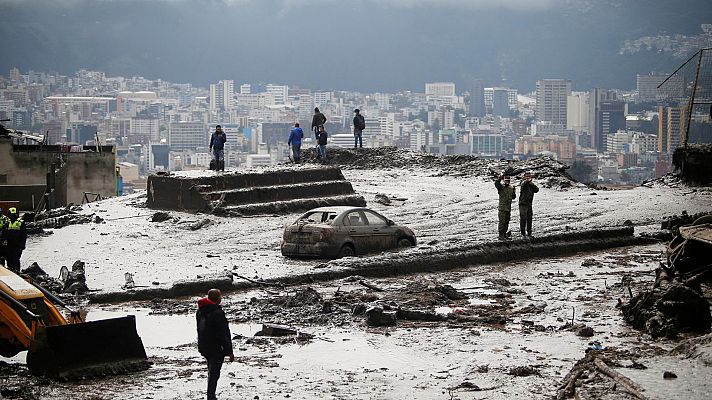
[
  {"x": 491, "y": 331},
  {"x": 508, "y": 327}
]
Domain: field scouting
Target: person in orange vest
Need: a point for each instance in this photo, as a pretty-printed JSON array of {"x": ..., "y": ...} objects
[{"x": 14, "y": 237}]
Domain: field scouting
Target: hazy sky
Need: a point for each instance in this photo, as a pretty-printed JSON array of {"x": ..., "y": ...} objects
[{"x": 369, "y": 45}]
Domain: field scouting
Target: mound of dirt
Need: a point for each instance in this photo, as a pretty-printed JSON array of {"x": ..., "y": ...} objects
[{"x": 551, "y": 172}]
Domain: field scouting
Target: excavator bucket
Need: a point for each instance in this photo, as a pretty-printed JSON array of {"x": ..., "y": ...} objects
[{"x": 88, "y": 349}]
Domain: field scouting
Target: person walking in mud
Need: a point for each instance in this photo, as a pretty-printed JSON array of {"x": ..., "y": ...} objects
[
  {"x": 318, "y": 121},
  {"x": 506, "y": 195},
  {"x": 217, "y": 147},
  {"x": 214, "y": 340},
  {"x": 295, "y": 142},
  {"x": 526, "y": 197}
]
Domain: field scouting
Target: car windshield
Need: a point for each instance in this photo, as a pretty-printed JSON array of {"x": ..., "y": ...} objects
[{"x": 317, "y": 217}]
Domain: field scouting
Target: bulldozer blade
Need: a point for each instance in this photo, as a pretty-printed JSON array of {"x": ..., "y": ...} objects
[{"x": 88, "y": 349}]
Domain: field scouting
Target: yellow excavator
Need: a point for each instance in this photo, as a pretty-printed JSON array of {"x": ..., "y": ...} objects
[{"x": 59, "y": 347}]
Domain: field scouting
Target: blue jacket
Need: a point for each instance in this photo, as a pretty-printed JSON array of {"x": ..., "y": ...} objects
[
  {"x": 218, "y": 142},
  {"x": 295, "y": 136}
]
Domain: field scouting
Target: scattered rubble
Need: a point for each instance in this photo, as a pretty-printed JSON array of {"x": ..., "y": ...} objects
[
  {"x": 58, "y": 218},
  {"x": 160, "y": 216},
  {"x": 676, "y": 303},
  {"x": 550, "y": 172},
  {"x": 73, "y": 281}
]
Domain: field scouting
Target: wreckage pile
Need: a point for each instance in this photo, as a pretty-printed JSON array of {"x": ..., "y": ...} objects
[
  {"x": 409, "y": 303},
  {"x": 552, "y": 172},
  {"x": 58, "y": 218},
  {"x": 69, "y": 282},
  {"x": 676, "y": 303}
]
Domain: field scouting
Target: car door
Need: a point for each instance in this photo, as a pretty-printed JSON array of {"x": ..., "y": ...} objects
[
  {"x": 356, "y": 227},
  {"x": 382, "y": 235}
]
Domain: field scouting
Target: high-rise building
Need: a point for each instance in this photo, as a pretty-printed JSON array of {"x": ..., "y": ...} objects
[
  {"x": 143, "y": 130},
  {"x": 647, "y": 86},
  {"x": 245, "y": 88},
  {"x": 477, "y": 99},
  {"x": 187, "y": 135},
  {"x": 577, "y": 111},
  {"x": 662, "y": 129},
  {"x": 676, "y": 121},
  {"x": 221, "y": 95},
  {"x": 610, "y": 118},
  {"x": 440, "y": 88},
  {"x": 551, "y": 97},
  {"x": 500, "y": 102},
  {"x": 602, "y": 123}
]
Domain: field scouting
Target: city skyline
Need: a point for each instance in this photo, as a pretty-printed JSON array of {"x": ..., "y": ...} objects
[{"x": 359, "y": 45}]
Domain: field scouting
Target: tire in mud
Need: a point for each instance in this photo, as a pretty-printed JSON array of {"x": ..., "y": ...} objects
[
  {"x": 347, "y": 250},
  {"x": 404, "y": 242}
]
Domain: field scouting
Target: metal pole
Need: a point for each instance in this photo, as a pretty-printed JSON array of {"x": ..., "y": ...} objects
[{"x": 692, "y": 99}]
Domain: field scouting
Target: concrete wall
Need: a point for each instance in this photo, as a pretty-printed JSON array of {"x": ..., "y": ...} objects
[{"x": 29, "y": 164}]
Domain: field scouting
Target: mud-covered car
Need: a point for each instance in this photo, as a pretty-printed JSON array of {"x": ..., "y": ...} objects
[{"x": 343, "y": 231}]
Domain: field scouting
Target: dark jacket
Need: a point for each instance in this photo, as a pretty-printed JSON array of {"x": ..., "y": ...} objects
[
  {"x": 217, "y": 142},
  {"x": 213, "y": 332},
  {"x": 359, "y": 122},
  {"x": 506, "y": 195},
  {"x": 526, "y": 193},
  {"x": 295, "y": 136},
  {"x": 15, "y": 233},
  {"x": 318, "y": 120},
  {"x": 323, "y": 136}
]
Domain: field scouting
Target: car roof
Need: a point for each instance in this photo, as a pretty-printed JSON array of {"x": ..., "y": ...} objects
[{"x": 336, "y": 209}]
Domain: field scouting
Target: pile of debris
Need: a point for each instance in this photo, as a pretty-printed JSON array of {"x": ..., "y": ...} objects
[
  {"x": 676, "y": 302},
  {"x": 543, "y": 168},
  {"x": 414, "y": 302},
  {"x": 58, "y": 218},
  {"x": 71, "y": 282}
]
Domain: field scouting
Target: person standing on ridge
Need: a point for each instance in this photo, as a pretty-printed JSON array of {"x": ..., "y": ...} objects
[
  {"x": 214, "y": 340},
  {"x": 217, "y": 147},
  {"x": 506, "y": 195},
  {"x": 526, "y": 197},
  {"x": 323, "y": 137},
  {"x": 359, "y": 126},
  {"x": 318, "y": 121},
  {"x": 295, "y": 141}
]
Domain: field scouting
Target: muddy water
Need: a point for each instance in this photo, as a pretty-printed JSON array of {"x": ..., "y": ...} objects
[{"x": 421, "y": 360}]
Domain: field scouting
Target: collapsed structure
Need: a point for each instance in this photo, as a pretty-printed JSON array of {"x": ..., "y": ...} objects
[{"x": 253, "y": 192}]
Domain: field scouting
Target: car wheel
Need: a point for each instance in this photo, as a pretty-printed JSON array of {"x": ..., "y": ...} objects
[
  {"x": 347, "y": 250},
  {"x": 404, "y": 242}
]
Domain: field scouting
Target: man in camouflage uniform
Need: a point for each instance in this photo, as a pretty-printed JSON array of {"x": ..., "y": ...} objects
[
  {"x": 526, "y": 197},
  {"x": 506, "y": 195}
]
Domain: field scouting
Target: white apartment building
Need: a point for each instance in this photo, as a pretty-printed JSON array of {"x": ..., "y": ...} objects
[
  {"x": 577, "y": 112},
  {"x": 321, "y": 98},
  {"x": 222, "y": 95},
  {"x": 551, "y": 100},
  {"x": 280, "y": 93},
  {"x": 245, "y": 88},
  {"x": 511, "y": 97},
  {"x": 440, "y": 88},
  {"x": 146, "y": 128},
  {"x": 187, "y": 135}
]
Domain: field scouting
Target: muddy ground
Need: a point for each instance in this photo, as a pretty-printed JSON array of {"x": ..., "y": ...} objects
[{"x": 487, "y": 331}]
